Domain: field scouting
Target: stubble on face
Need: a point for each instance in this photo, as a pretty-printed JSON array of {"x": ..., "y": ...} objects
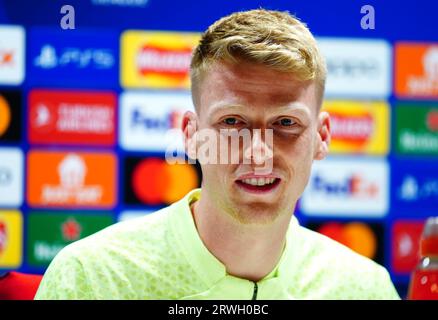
[{"x": 259, "y": 91}]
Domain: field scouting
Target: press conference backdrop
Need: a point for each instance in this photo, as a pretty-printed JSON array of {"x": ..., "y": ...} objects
[{"x": 86, "y": 116}]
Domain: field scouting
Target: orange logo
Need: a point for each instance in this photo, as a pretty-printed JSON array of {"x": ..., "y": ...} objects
[
  {"x": 6, "y": 58},
  {"x": 5, "y": 115},
  {"x": 71, "y": 179},
  {"x": 416, "y": 70}
]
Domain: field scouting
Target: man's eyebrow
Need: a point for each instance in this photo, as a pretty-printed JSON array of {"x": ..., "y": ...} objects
[
  {"x": 224, "y": 107},
  {"x": 295, "y": 107}
]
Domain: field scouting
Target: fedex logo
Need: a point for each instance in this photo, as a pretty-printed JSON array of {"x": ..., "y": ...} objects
[
  {"x": 152, "y": 121},
  {"x": 169, "y": 121},
  {"x": 355, "y": 186},
  {"x": 347, "y": 187}
]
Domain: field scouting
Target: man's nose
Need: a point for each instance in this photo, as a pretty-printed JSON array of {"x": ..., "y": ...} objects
[{"x": 260, "y": 150}]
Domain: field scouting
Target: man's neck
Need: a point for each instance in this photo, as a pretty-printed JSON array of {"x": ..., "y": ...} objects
[{"x": 248, "y": 251}]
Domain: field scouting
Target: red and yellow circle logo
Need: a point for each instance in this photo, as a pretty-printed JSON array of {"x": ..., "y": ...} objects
[
  {"x": 357, "y": 236},
  {"x": 154, "y": 181},
  {"x": 5, "y": 115}
]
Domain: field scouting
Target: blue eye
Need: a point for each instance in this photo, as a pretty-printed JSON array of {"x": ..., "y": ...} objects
[
  {"x": 286, "y": 122},
  {"x": 230, "y": 121}
]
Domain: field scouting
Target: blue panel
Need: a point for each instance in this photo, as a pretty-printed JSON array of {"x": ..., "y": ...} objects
[{"x": 73, "y": 57}]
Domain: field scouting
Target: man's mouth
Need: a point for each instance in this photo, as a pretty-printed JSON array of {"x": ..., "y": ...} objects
[{"x": 258, "y": 185}]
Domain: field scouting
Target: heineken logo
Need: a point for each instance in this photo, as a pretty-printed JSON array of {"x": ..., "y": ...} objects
[
  {"x": 432, "y": 120},
  {"x": 71, "y": 230},
  {"x": 50, "y": 232},
  {"x": 417, "y": 128}
]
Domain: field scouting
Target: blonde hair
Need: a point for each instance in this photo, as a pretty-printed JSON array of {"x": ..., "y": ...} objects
[{"x": 275, "y": 39}]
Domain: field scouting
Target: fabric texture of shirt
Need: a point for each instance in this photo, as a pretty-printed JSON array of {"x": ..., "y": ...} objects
[{"x": 161, "y": 256}]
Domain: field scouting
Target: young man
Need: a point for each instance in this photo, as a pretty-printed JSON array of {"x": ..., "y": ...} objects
[{"x": 235, "y": 238}]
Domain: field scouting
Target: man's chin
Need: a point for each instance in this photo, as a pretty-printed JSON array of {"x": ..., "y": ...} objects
[{"x": 256, "y": 212}]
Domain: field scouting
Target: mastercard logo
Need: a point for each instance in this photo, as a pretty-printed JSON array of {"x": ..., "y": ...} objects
[
  {"x": 357, "y": 236},
  {"x": 5, "y": 115},
  {"x": 155, "y": 182}
]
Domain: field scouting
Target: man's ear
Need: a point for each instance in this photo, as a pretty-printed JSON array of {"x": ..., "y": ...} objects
[
  {"x": 323, "y": 136},
  {"x": 189, "y": 128}
]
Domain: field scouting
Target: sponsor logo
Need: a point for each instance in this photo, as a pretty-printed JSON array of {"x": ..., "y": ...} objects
[
  {"x": 75, "y": 57},
  {"x": 358, "y": 127},
  {"x": 416, "y": 70},
  {"x": 346, "y": 188},
  {"x": 5, "y": 115},
  {"x": 11, "y": 55},
  {"x": 364, "y": 238},
  {"x": 415, "y": 186},
  {"x": 11, "y": 177},
  {"x": 410, "y": 190},
  {"x": 157, "y": 59},
  {"x": 10, "y": 116},
  {"x": 357, "y": 67},
  {"x": 71, "y": 230},
  {"x": 152, "y": 181},
  {"x": 78, "y": 58},
  {"x": 151, "y": 121},
  {"x": 72, "y": 117},
  {"x": 405, "y": 245},
  {"x": 71, "y": 179},
  {"x": 11, "y": 223},
  {"x": 417, "y": 128},
  {"x": 5, "y": 176},
  {"x": 3, "y": 236},
  {"x": 48, "y": 233}
]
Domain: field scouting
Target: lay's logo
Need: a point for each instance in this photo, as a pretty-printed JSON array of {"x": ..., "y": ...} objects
[
  {"x": 11, "y": 235},
  {"x": 355, "y": 130},
  {"x": 358, "y": 127},
  {"x": 3, "y": 237},
  {"x": 156, "y": 59}
]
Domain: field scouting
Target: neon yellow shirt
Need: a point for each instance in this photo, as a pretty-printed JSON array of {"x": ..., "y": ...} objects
[{"x": 161, "y": 256}]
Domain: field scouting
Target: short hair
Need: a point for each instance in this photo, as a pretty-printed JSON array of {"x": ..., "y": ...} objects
[{"x": 275, "y": 39}]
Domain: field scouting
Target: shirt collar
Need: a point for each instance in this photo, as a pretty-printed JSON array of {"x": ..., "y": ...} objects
[{"x": 208, "y": 267}]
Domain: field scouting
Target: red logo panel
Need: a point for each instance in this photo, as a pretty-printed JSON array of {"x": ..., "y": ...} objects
[
  {"x": 405, "y": 249},
  {"x": 72, "y": 117}
]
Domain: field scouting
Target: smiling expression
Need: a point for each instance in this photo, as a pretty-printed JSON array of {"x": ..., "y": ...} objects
[{"x": 247, "y": 96}]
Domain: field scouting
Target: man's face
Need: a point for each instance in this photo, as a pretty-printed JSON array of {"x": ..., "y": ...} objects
[{"x": 247, "y": 96}]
